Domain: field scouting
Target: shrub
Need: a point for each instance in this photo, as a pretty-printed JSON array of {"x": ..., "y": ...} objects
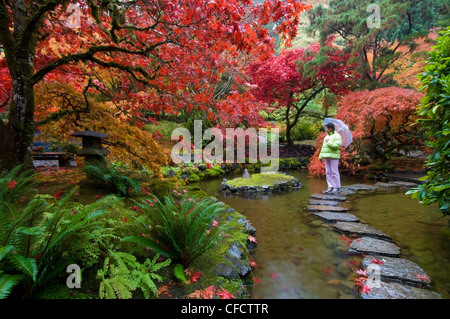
[
  {"x": 181, "y": 229},
  {"x": 435, "y": 109}
]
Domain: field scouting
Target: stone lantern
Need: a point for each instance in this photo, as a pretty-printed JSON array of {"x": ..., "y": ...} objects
[{"x": 92, "y": 150}]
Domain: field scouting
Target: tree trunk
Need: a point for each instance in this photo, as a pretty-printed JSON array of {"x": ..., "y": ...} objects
[{"x": 19, "y": 131}]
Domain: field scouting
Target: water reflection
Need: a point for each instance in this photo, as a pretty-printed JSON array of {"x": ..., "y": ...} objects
[{"x": 301, "y": 257}]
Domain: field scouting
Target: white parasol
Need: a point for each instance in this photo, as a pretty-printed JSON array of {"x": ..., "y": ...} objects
[{"x": 342, "y": 129}]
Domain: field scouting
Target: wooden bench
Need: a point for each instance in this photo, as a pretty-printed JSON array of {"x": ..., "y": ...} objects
[{"x": 61, "y": 157}]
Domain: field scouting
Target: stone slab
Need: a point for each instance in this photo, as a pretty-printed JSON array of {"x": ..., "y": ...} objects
[
  {"x": 404, "y": 183},
  {"x": 386, "y": 186},
  {"x": 360, "y": 187},
  {"x": 336, "y": 198},
  {"x": 393, "y": 290},
  {"x": 321, "y": 208},
  {"x": 398, "y": 270},
  {"x": 373, "y": 246},
  {"x": 361, "y": 229},
  {"x": 336, "y": 217},
  {"x": 323, "y": 202}
]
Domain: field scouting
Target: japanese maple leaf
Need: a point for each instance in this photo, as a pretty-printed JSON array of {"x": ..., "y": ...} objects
[
  {"x": 422, "y": 277},
  {"x": 223, "y": 294},
  {"x": 209, "y": 292},
  {"x": 256, "y": 280},
  {"x": 58, "y": 194},
  {"x": 164, "y": 290},
  {"x": 11, "y": 184},
  {"x": 196, "y": 294},
  {"x": 365, "y": 289},
  {"x": 196, "y": 276},
  {"x": 361, "y": 272},
  {"x": 376, "y": 261},
  {"x": 251, "y": 238},
  {"x": 252, "y": 263}
]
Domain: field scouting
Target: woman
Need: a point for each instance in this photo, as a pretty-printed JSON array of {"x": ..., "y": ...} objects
[{"x": 330, "y": 152}]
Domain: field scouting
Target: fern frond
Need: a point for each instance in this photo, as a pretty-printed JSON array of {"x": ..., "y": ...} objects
[
  {"x": 25, "y": 265},
  {"x": 7, "y": 283}
]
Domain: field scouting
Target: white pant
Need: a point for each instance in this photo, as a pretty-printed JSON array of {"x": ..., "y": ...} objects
[{"x": 332, "y": 172}]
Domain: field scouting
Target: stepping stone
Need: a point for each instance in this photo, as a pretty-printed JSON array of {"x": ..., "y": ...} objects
[
  {"x": 343, "y": 191},
  {"x": 323, "y": 202},
  {"x": 399, "y": 270},
  {"x": 373, "y": 246},
  {"x": 386, "y": 186},
  {"x": 331, "y": 209},
  {"x": 392, "y": 290},
  {"x": 361, "y": 187},
  {"x": 336, "y": 217},
  {"x": 336, "y": 198},
  {"x": 404, "y": 184},
  {"x": 361, "y": 229}
]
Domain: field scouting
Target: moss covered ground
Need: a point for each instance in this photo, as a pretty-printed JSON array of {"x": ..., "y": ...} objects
[{"x": 260, "y": 180}]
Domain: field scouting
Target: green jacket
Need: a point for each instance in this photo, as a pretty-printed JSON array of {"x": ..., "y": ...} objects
[{"x": 331, "y": 149}]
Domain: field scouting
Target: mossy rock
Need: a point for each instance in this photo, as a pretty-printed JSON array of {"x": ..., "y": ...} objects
[
  {"x": 260, "y": 180},
  {"x": 214, "y": 171},
  {"x": 193, "y": 178}
]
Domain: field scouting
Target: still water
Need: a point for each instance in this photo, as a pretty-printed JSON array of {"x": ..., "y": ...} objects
[{"x": 299, "y": 256}]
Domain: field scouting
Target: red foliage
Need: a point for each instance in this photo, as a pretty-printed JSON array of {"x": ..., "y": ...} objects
[
  {"x": 169, "y": 56},
  {"x": 380, "y": 122}
]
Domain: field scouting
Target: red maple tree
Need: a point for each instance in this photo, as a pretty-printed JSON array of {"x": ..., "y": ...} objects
[
  {"x": 164, "y": 55},
  {"x": 295, "y": 77}
]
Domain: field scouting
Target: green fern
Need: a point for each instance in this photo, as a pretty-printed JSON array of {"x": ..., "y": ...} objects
[
  {"x": 122, "y": 274},
  {"x": 46, "y": 236},
  {"x": 7, "y": 283},
  {"x": 179, "y": 273},
  {"x": 114, "y": 179},
  {"x": 184, "y": 226},
  {"x": 15, "y": 184}
]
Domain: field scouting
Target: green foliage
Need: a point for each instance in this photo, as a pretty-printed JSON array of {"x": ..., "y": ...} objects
[
  {"x": 122, "y": 274},
  {"x": 180, "y": 229},
  {"x": 435, "y": 110},
  {"x": 214, "y": 171},
  {"x": 306, "y": 129},
  {"x": 15, "y": 184},
  {"x": 179, "y": 273},
  {"x": 115, "y": 179},
  {"x": 375, "y": 48},
  {"x": 47, "y": 236}
]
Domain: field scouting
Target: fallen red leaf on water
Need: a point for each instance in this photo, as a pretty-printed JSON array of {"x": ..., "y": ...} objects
[
  {"x": 301, "y": 248},
  {"x": 251, "y": 238},
  {"x": 274, "y": 275},
  {"x": 256, "y": 280},
  {"x": 326, "y": 271}
]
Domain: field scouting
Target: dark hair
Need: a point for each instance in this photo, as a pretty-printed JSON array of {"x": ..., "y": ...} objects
[{"x": 330, "y": 125}]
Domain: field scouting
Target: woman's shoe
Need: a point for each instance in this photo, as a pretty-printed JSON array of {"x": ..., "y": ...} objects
[
  {"x": 329, "y": 190},
  {"x": 336, "y": 190}
]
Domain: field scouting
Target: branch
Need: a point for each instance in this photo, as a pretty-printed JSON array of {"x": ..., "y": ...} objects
[
  {"x": 89, "y": 56},
  {"x": 6, "y": 38},
  {"x": 36, "y": 18}
]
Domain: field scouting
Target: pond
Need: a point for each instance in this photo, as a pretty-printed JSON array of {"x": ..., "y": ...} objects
[{"x": 299, "y": 256}]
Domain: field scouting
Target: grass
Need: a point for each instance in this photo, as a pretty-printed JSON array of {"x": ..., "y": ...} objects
[{"x": 260, "y": 180}]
